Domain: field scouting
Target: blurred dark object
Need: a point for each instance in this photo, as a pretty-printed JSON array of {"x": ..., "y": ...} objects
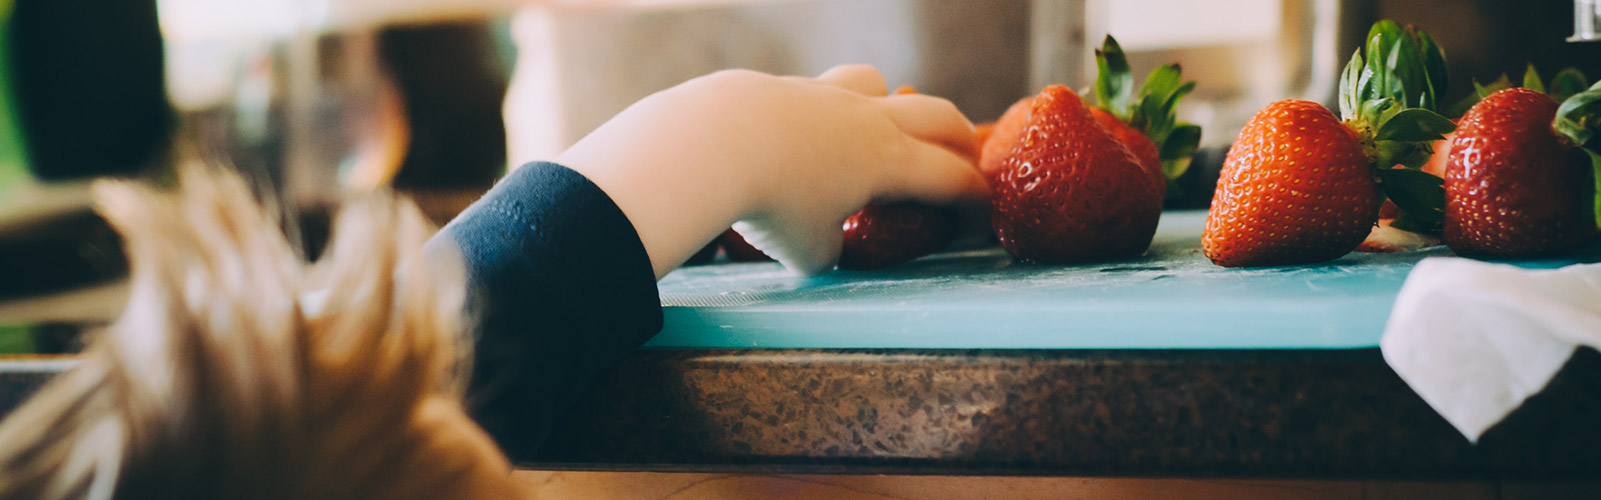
[
  {"x": 1195, "y": 187},
  {"x": 58, "y": 252},
  {"x": 453, "y": 83},
  {"x": 89, "y": 88},
  {"x": 67, "y": 249},
  {"x": 57, "y": 338},
  {"x": 315, "y": 224},
  {"x": 705, "y": 255}
]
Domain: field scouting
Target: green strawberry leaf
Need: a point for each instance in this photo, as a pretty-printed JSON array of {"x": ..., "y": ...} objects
[
  {"x": 1498, "y": 85},
  {"x": 1374, "y": 112},
  {"x": 1531, "y": 79},
  {"x": 1375, "y": 80},
  {"x": 1566, "y": 83},
  {"x": 1407, "y": 64},
  {"x": 1382, "y": 38},
  {"x": 1162, "y": 82},
  {"x": 1160, "y": 95},
  {"x": 1579, "y": 119},
  {"x": 1386, "y": 31},
  {"x": 1419, "y": 195},
  {"x": 1349, "y": 92},
  {"x": 1480, "y": 91},
  {"x": 1114, "y": 84},
  {"x": 1595, "y": 169},
  {"x": 1406, "y": 154},
  {"x": 1434, "y": 68},
  {"x": 1406, "y": 221},
  {"x": 1181, "y": 142},
  {"x": 1412, "y": 125},
  {"x": 1391, "y": 86},
  {"x": 1417, "y": 155},
  {"x": 1364, "y": 86},
  {"x": 1172, "y": 101},
  {"x": 1174, "y": 169},
  {"x": 1386, "y": 154}
]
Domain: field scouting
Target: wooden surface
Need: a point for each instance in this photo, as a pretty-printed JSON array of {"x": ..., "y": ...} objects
[{"x": 659, "y": 486}]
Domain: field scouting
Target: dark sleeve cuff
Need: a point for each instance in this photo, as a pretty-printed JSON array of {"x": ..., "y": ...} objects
[{"x": 561, "y": 290}]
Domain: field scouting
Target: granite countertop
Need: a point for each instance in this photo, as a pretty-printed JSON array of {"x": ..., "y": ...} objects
[
  {"x": 968, "y": 363},
  {"x": 1338, "y": 414},
  {"x": 1235, "y": 413}
]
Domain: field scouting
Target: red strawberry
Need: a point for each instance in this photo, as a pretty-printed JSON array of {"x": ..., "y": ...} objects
[
  {"x": 1002, "y": 137},
  {"x": 1301, "y": 186},
  {"x": 1295, "y": 188},
  {"x": 1513, "y": 187},
  {"x": 1137, "y": 143},
  {"x": 1070, "y": 191},
  {"x": 738, "y": 250},
  {"x": 883, "y": 235},
  {"x": 1442, "y": 150}
]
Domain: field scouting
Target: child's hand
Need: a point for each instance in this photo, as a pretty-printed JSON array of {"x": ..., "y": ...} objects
[{"x": 788, "y": 158}]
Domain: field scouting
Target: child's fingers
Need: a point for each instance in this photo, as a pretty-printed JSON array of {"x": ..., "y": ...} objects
[
  {"x": 932, "y": 119},
  {"x": 935, "y": 175},
  {"x": 859, "y": 78}
]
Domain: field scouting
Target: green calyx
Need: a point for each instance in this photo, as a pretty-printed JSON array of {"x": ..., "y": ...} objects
[
  {"x": 1565, "y": 84},
  {"x": 1578, "y": 121},
  {"x": 1152, "y": 110},
  {"x": 1391, "y": 97},
  {"x": 1404, "y": 65}
]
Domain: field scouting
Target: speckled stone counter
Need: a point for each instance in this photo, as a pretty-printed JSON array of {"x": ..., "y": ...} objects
[
  {"x": 1243, "y": 413},
  {"x": 1327, "y": 414}
]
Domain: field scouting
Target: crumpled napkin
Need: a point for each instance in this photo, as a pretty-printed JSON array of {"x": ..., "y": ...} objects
[{"x": 1476, "y": 339}]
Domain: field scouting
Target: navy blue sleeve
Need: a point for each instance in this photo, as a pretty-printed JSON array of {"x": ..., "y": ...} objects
[{"x": 560, "y": 288}]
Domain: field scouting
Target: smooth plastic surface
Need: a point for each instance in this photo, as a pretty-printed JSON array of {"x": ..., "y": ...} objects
[{"x": 1170, "y": 298}]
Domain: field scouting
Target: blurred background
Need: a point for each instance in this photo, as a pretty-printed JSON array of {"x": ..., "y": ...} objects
[{"x": 313, "y": 99}]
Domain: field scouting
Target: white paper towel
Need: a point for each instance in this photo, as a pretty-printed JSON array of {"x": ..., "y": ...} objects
[{"x": 1475, "y": 339}]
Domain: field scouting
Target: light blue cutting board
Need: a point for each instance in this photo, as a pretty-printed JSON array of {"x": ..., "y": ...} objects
[{"x": 1172, "y": 297}]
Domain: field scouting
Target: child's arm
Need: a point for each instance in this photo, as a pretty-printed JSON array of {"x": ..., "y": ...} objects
[{"x": 562, "y": 257}]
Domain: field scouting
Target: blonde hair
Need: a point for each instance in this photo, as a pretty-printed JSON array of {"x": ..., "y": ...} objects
[{"x": 216, "y": 382}]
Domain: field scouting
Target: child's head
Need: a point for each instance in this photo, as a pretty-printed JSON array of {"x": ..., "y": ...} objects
[{"x": 237, "y": 371}]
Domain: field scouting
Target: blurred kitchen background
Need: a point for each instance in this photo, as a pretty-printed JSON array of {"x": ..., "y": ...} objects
[{"x": 316, "y": 98}]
